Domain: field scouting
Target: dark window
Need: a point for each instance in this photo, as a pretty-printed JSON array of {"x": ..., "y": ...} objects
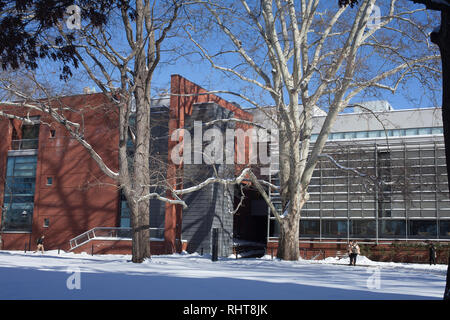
[
  {"x": 124, "y": 214},
  {"x": 444, "y": 229},
  {"x": 49, "y": 181},
  {"x": 423, "y": 228},
  {"x": 362, "y": 228},
  {"x": 52, "y": 133},
  {"x": 27, "y": 138},
  {"x": 19, "y": 193},
  {"x": 46, "y": 223},
  {"x": 334, "y": 228},
  {"x": 392, "y": 229},
  {"x": 30, "y": 132},
  {"x": 309, "y": 228},
  {"x": 274, "y": 228}
]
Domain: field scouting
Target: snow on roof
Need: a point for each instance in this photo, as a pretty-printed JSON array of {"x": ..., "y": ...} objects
[{"x": 375, "y": 106}]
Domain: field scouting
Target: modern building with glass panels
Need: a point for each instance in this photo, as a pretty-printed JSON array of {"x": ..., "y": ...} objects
[
  {"x": 50, "y": 185},
  {"x": 407, "y": 196}
]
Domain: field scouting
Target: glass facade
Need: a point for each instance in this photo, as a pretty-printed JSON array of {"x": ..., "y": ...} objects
[
  {"x": 124, "y": 213},
  {"x": 362, "y": 228},
  {"x": 381, "y": 133},
  {"x": 19, "y": 193},
  {"x": 392, "y": 228},
  {"x": 366, "y": 228},
  {"x": 423, "y": 229},
  {"x": 412, "y": 202},
  {"x": 444, "y": 229},
  {"x": 334, "y": 228},
  {"x": 310, "y": 228}
]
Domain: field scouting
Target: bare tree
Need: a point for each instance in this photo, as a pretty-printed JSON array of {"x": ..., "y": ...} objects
[
  {"x": 307, "y": 54},
  {"x": 123, "y": 71}
]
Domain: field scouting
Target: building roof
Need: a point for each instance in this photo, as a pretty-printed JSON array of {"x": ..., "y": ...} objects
[{"x": 395, "y": 119}]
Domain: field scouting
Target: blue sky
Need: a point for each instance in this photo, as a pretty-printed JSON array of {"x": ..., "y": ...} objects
[{"x": 411, "y": 95}]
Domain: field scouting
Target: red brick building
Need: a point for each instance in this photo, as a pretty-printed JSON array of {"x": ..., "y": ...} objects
[
  {"x": 67, "y": 194},
  {"x": 50, "y": 185}
]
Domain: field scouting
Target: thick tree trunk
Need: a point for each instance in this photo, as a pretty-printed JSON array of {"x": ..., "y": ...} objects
[
  {"x": 288, "y": 241},
  {"x": 140, "y": 233},
  {"x": 442, "y": 39},
  {"x": 288, "y": 246}
]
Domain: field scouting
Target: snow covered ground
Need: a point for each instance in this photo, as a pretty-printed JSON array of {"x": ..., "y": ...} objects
[{"x": 194, "y": 277}]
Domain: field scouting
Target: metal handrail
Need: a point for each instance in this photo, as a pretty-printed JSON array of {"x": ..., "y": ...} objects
[{"x": 103, "y": 232}]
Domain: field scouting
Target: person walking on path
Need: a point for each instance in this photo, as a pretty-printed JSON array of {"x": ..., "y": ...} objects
[
  {"x": 432, "y": 253},
  {"x": 349, "y": 251},
  {"x": 354, "y": 253},
  {"x": 40, "y": 244}
]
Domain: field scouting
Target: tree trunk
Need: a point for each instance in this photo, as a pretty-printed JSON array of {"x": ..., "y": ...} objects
[
  {"x": 447, "y": 287},
  {"x": 140, "y": 233},
  {"x": 288, "y": 246},
  {"x": 445, "y": 52},
  {"x": 442, "y": 39}
]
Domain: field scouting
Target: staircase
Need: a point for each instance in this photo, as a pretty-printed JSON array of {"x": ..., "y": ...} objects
[{"x": 110, "y": 233}]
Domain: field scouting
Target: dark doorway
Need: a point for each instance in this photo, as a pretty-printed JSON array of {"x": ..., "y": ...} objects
[{"x": 250, "y": 221}]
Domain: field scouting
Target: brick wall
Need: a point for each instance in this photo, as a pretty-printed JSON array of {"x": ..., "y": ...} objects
[{"x": 407, "y": 252}]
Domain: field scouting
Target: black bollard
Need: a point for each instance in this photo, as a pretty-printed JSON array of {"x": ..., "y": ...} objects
[
  {"x": 447, "y": 285},
  {"x": 215, "y": 244}
]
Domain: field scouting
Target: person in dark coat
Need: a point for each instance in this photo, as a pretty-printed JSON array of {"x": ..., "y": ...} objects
[
  {"x": 432, "y": 253},
  {"x": 349, "y": 251},
  {"x": 40, "y": 244},
  {"x": 355, "y": 251}
]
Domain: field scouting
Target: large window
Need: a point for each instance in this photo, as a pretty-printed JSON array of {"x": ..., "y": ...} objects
[
  {"x": 422, "y": 228},
  {"x": 362, "y": 228},
  {"x": 124, "y": 212},
  {"x": 309, "y": 228},
  {"x": 392, "y": 229},
  {"x": 334, "y": 228},
  {"x": 19, "y": 193},
  {"x": 27, "y": 137},
  {"x": 125, "y": 216},
  {"x": 444, "y": 229}
]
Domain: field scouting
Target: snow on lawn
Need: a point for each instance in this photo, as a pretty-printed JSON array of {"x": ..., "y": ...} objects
[{"x": 194, "y": 277}]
